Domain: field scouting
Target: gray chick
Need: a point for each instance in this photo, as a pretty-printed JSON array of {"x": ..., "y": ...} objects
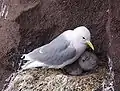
[
  {"x": 86, "y": 62},
  {"x": 73, "y": 69}
]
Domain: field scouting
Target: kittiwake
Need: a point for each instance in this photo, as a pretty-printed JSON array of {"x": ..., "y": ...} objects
[{"x": 63, "y": 50}]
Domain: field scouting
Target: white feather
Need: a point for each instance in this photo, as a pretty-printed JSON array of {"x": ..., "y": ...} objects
[{"x": 32, "y": 64}]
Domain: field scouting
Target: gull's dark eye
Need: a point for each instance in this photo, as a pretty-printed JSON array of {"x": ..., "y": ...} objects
[
  {"x": 83, "y": 37},
  {"x": 83, "y": 60}
]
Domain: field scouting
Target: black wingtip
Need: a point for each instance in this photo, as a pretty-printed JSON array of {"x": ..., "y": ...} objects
[{"x": 23, "y": 56}]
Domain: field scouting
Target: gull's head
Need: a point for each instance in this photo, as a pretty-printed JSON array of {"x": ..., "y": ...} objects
[{"x": 83, "y": 34}]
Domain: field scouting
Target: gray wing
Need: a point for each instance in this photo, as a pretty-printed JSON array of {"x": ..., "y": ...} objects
[{"x": 55, "y": 53}]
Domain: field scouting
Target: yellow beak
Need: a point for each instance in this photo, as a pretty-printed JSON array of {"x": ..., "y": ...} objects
[{"x": 90, "y": 44}]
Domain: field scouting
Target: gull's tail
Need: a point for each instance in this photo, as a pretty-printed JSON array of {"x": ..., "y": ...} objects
[{"x": 31, "y": 63}]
